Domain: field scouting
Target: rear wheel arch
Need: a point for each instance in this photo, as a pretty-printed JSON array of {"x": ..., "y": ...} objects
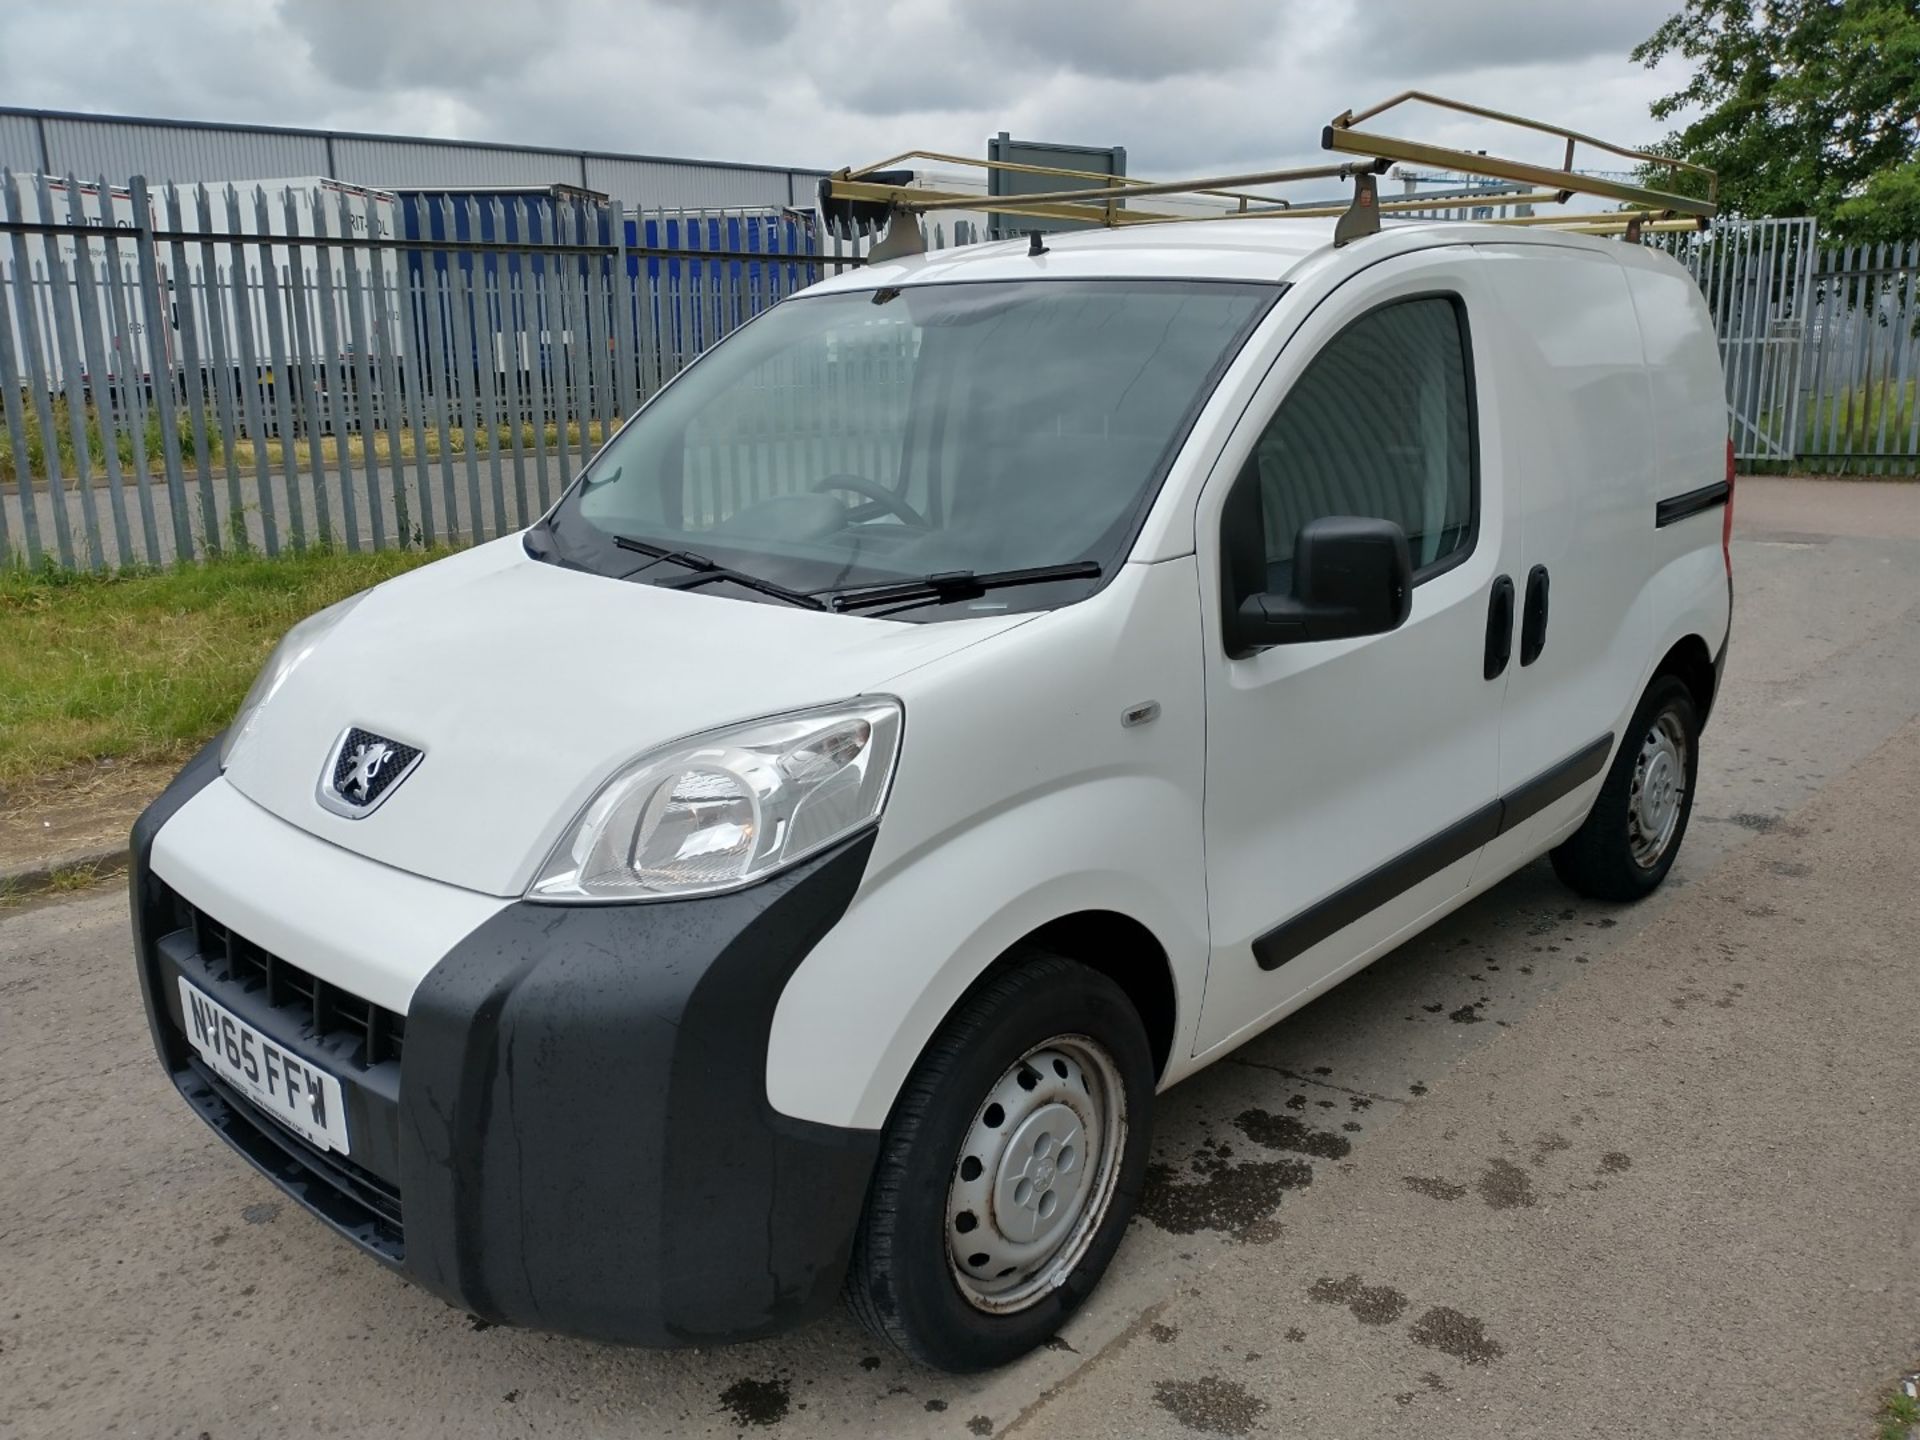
[{"x": 1691, "y": 662}]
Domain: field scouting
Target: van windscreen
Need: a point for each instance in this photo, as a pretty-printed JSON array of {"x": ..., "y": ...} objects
[{"x": 849, "y": 440}]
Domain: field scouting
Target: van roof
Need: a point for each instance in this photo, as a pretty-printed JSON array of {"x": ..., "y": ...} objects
[{"x": 1254, "y": 249}]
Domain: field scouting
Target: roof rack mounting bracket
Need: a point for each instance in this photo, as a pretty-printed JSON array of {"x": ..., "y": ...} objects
[
  {"x": 1363, "y": 215},
  {"x": 903, "y": 237}
]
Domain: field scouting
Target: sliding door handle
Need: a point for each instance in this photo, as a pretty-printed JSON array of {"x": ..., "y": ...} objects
[
  {"x": 1533, "y": 624},
  {"x": 1499, "y": 628}
]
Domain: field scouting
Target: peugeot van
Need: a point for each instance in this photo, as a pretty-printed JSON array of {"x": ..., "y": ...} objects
[{"x": 980, "y": 692}]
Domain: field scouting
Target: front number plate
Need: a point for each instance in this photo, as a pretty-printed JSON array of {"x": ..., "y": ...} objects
[{"x": 307, "y": 1101}]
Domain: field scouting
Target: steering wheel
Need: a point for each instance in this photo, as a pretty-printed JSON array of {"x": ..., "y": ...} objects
[{"x": 875, "y": 493}]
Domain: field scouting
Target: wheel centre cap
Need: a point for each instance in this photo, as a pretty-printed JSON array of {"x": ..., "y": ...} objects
[{"x": 1040, "y": 1174}]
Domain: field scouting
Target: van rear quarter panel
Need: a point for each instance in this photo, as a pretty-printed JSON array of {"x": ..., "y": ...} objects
[{"x": 1688, "y": 426}]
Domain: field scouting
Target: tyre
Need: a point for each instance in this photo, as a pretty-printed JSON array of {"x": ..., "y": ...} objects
[
  {"x": 1634, "y": 830},
  {"x": 1009, "y": 1169}
]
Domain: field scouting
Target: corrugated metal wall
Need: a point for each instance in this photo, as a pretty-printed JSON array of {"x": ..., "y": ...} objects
[
  {"x": 691, "y": 186},
  {"x": 421, "y": 164},
  {"x": 19, "y": 137},
  {"x": 168, "y": 151}
]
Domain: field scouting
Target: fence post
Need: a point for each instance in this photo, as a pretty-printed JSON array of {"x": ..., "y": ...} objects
[
  {"x": 289, "y": 386},
  {"x": 241, "y": 289},
  {"x": 40, "y": 394},
  {"x": 72, "y": 379},
  {"x": 153, "y": 301},
  {"x": 333, "y": 367},
  {"x": 193, "y": 371},
  {"x": 10, "y": 409},
  {"x": 624, "y": 294}
]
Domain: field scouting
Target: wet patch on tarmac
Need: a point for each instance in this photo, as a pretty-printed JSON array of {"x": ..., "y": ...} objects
[
  {"x": 1283, "y": 1132},
  {"x": 1467, "y": 1014},
  {"x": 1549, "y": 1144},
  {"x": 1370, "y": 1304},
  {"x": 1450, "y": 1332},
  {"x": 265, "y": 1213},
  {"x": 1233, "y": 1199},
  {"x": 1503, "y": 1185},
  {"x": 1433, "y": 1188},
  {"x": 980, "y": 1425},
  {"x": 757, "y": 1402},
  {"x": 1211, "y": 1405},
  {"x": 1163, "y": 1334},
  {"x": 1615, "y": 1161}
]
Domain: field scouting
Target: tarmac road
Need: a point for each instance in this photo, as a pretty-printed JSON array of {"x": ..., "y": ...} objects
[{"x": 1553, "y": 1169}]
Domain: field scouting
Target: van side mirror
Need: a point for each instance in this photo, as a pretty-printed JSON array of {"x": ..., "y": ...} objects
[{"x": 1351, "y": 577}]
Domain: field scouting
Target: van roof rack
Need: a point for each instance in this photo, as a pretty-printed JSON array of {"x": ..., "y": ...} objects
[{"x": 886, "y": 197}]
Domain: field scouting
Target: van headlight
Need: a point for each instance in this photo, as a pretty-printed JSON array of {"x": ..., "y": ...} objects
[
  {"x": 294, "y": 647},
  {"x": 724, "y": 809}
]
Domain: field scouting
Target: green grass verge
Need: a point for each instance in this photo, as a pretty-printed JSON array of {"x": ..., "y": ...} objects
[
  {"x": 147, "y": 665},
  {"x": 1899, "y": 1417}
]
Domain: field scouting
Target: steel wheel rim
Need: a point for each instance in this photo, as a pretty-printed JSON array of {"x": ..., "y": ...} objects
[
  {"x": 1659, "y": 790},
  {"x": 1036, "y": 1174}
]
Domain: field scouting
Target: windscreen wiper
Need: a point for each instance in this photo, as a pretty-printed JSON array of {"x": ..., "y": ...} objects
[
  {"x": 660, "y": 552},
  {"x": 708, "y": 572},
  {"x": 950, "y": 585}
]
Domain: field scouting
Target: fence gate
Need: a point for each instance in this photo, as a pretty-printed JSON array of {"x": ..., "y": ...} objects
[{"x": 1757, "y": 276}]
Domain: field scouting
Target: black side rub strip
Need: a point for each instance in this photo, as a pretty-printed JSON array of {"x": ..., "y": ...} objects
[
  {"x": 1352, "y": 902},
  {"x": 1550, "y": 784},
  {"x": 1679, "y": 507}
]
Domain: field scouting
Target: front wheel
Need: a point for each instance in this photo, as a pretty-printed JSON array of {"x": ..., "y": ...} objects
[
  {"x": 1009, "y": 1170},
  {"x": 1633, "y": 832}
]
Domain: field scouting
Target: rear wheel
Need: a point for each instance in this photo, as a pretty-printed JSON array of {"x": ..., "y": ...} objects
[
  {"x": 1633, "y": 832},
  {"x": 1009, "y": 1170}
]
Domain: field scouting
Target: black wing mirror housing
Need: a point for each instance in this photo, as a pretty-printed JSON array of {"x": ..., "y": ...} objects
[{"x": 1352, "y": 576}]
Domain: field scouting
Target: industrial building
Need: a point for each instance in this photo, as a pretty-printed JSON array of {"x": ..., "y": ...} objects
[{"x": 58, "y": 142}]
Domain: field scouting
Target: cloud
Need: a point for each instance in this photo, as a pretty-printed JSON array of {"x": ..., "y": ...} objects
[
  {"x": 1191, "y": 87},
  {"x": 1127, "y": 39},
  {"x": 1419, "y": 36},
  {"x": 418, "y": 44}
]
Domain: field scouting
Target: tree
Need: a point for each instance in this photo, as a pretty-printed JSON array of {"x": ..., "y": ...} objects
[{"x": 1808, "y": 107}]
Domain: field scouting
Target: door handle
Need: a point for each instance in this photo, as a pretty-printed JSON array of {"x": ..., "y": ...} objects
[
  {"x": 1499, "y": 628},
  {"x": 1533, "y": 623}
]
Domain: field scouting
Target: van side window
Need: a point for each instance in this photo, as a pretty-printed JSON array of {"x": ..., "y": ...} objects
[{"x": 1380, "y": 424}]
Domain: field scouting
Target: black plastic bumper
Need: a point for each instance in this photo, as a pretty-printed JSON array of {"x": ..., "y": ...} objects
[{"x": 581, "y": 1139}]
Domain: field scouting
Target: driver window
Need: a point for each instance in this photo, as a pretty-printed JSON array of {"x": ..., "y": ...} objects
[
  {"x": 802, "y": 416},
  {"x": 1380, "y": 425}
]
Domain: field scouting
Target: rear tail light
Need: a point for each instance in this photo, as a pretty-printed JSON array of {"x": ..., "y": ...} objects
[{"x": 1726, "y": 516}]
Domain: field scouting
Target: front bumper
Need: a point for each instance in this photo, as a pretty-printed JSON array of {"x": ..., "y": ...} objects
[{"x": 569, "y": 1128}]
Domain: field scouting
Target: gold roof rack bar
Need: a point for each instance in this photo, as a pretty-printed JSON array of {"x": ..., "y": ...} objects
[
  {"x": 1342, "y": 135},
  {"x": 884, "y": 196},
  {"x": 873, "y": 195}
]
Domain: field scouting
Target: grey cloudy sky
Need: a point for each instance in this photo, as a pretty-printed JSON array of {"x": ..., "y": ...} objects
[{"x": 1186, "y": 85}]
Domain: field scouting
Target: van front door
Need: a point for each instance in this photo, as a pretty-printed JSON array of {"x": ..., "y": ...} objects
[{"x": 1351, "y": 784}]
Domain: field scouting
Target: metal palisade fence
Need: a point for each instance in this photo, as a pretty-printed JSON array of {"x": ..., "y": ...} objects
[
  {"x": 191, "y": 370},
  {"x": 186, "y": 371},
  {"x": 1821, "y": 345}
]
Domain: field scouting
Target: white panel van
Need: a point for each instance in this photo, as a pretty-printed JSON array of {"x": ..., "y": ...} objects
[{"x": 977, "y": 694}]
